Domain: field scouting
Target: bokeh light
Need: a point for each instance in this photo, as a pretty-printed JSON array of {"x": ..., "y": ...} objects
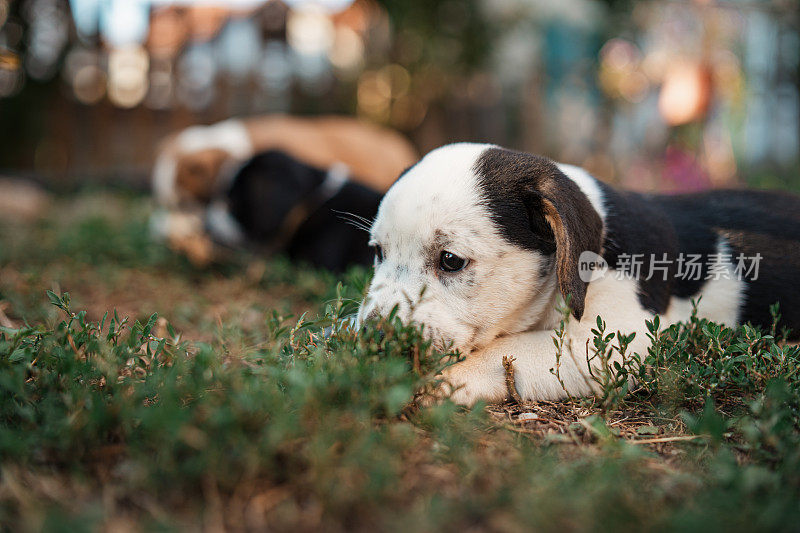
[
  {"x": 46, "y": 37},
  {"x": 685, "y": 92},
  {"x": 84, "y": 72},
  {"x": 309, "y": 30},
  {"x": 128, "y": 75},
  {"x": 197, "y": 71},
  {"x": 124, "y": 22},
  {"x": 11, "y": 74}
]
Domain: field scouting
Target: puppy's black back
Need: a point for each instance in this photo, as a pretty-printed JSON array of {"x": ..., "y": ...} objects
[{"x": 763, "y": 224}]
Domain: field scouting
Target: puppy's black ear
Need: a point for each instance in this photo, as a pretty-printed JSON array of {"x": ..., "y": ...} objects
[
  {"x": 576, "y": 228},
  {"x": 538, "y": 208}
]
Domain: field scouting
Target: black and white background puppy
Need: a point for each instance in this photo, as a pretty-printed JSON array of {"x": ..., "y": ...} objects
[
  {"x": 279, "y": 204},
  {"x": 496, "y": 239}
]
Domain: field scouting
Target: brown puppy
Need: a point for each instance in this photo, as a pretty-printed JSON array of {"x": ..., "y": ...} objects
[{"x": 195, "y": 164}]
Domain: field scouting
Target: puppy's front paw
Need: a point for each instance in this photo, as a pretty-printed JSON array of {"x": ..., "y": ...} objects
[
  {"x": 464, "y": 384},
  {"x": 433, "y": 393}
]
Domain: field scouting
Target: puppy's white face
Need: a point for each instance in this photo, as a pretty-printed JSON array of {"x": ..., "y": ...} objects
[{"x": 444, "y": 261}]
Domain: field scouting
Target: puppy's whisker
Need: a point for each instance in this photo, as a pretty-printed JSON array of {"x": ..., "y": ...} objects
[
  {"x": 355, "y": 220},
  {"x": 357, "y": 225},
  {"x": 359, "y": 217}
]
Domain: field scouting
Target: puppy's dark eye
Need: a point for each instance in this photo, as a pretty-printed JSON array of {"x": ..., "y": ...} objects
[
  {"x": 378, "y": 253},
  {"x": 450, "y": 262}
]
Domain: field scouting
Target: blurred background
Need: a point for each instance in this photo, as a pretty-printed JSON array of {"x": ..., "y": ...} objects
[{"x": 661, "y": 94}]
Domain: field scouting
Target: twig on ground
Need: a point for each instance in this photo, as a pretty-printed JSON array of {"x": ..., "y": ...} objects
[
  {"x": 511, "y": 386},
  {"x": 415, "y": 361},
  {"x": 521, "y": 419},
  {"x": 666, "y": 439}
]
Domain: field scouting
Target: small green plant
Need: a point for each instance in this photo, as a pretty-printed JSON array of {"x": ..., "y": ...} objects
[
  {"x": 559, "y": 340},
  {"x": 697, "y": 360},
  {"x": 612, "y": 377},
  {"x": 610, "y": 367}
]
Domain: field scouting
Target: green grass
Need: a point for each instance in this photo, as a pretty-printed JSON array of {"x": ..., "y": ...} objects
[{"x": 267, "y": 423}]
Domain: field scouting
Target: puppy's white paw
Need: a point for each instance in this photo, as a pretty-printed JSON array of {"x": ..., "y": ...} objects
[{"x": 465, "y": 384}]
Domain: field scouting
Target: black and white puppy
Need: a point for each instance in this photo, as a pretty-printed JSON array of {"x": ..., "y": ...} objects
[
  {"x": 280, "y": 204},
  {"x": 482, "y": 244}
]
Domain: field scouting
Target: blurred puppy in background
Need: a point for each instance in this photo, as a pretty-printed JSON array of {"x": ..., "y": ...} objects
[
  {"x": 194, "y": 165},
  {"x": 196, "y": 170},
  {"x": 279, "y": 204}
]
